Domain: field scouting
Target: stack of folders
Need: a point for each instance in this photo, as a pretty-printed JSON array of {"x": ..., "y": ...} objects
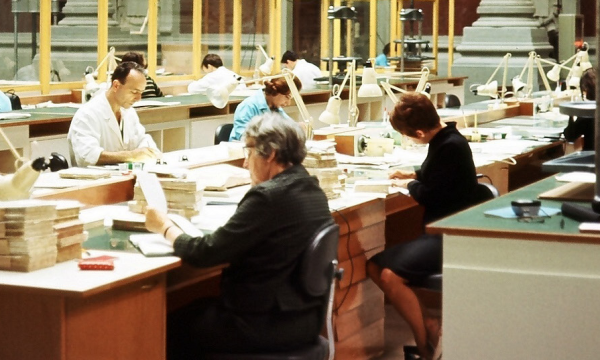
[
  {"x": 27, "y": 237},
  {"x": 323, "y": 164},
  {"x": 69, "y": 231},
  {"x": 184, "y": 197}
]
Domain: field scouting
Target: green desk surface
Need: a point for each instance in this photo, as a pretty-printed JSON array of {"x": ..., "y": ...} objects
[
  {"x": 473, "y": 222},
  {"x": 106, "y": 238}
]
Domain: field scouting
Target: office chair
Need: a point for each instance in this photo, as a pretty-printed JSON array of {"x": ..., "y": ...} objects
[
  {"x": 318, "y": 272},
  {"x": 222, "y": 133},
  {"x": 451, "y": 101}
]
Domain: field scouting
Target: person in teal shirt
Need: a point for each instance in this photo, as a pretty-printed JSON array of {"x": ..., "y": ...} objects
[
  {"x": 382, "y": 59},
  {"x": 275, "y": 96},
  {"x": 5, "y": 105}
]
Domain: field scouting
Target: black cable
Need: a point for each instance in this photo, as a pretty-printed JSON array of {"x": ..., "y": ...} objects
[
  {"x": 479, "y": 176},
  {"x": 349, "y": 257}
]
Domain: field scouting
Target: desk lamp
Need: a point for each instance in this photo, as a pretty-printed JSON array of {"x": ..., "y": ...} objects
[
  {"x": 219, "y": 94},
  {"x": 267, "y": 67},
  {"x": 369, "y": 86},
  {"x": 423, "y": 86},
  {"x": 331, "y": 115},
  {"x": 18, "y": 186},
  {"x": 527, "y": 88},
  {"x": 490, "y": 88}
]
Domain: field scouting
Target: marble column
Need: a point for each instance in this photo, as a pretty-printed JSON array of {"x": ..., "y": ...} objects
[{"x": 503, "y": 26}]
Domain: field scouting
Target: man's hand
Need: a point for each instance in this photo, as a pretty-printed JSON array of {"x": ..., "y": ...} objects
[{"x": 401, "y": 183}]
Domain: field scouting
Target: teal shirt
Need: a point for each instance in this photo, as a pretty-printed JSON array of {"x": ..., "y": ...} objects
[
  {"x": 5, "y": 105},
  {"x": 251, "y": 106},
  {"x": 381, "y": 60}
]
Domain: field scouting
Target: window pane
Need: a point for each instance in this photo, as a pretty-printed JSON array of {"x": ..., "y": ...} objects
[{"x": 175, "y": 20}]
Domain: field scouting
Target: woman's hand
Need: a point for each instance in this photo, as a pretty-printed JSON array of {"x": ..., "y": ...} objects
[
  {"x": 401, "y": 182},
  {"x": 157, "y": 221},
  {"x": 401, "y": 174}
]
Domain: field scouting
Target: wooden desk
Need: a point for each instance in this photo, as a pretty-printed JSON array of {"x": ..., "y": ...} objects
[
  {"x": 65, "y": 313},
  {"x": 517, "y": 289}
]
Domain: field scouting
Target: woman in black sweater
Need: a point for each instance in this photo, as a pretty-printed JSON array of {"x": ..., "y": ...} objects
[
  {"x": 584, "y": 125},
  {"x": 445, "y": 184}
]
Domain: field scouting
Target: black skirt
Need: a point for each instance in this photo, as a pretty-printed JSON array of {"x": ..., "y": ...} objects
[{"x": 414, "y": 260}]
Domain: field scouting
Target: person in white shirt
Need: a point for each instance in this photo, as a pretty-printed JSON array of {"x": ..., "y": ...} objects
[
  {"x": 216, "y": 74},
  {"x": 107, "y": 129},
  {"x": 304, "y": 70}
]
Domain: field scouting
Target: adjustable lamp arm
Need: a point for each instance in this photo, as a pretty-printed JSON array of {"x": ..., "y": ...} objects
[
  {"x": 423, "y": 80},
  {"x": 560, "y": 65},
  {"x": 110, "y": 57},
  {"x": 542, "y": 73},
  {"x": 505, "y": 60},
  {"x": 352, "y": 107}
]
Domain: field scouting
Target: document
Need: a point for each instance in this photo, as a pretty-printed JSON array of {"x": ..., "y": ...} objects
[{"x": 152, "y": 244}]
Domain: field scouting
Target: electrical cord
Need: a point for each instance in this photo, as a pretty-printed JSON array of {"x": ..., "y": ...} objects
[{"x": 349, "y": 257}]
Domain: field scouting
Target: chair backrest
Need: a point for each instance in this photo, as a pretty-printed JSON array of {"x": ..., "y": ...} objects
[
  {"x": 451, "y": 101},
  {"x": 484, "y": 192},
  {"x": 222, "y": 133},
  {"x": 316, "y": 267}
]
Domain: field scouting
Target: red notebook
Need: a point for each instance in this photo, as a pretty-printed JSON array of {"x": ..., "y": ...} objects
[{"x": 104, "y": 262}]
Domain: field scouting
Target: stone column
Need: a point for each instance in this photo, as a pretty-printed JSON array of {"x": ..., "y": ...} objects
[{"x": 503, "y": 26}]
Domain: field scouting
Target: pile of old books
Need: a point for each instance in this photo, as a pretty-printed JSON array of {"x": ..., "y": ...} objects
[
  {"x": 320, "y": 161},
  {"x": 69, "y": 231},
  {"x": 27, "y": 237},
  {"x": 184, "y": 197}
]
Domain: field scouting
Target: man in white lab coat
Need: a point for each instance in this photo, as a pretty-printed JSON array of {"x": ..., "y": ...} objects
[
  {"x": 216, "y": 74},
  {"x": 304, "y": 70},
  {"x": 107, "y": 129}
]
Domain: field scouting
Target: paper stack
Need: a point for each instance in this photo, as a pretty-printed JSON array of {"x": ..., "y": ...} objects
[
  {"x": 184, "y": 197},
  {"x": 69, "y": 231},
  {"x": 27, "y": 238},
  {"x": 321, "y": 162}
]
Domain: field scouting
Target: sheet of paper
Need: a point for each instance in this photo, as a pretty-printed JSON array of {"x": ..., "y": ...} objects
[
  {"x": 152, "y": 244},
  {"x": 14, "y": 115},
  {"x": 153, "y": 192},
  {"x": 185, "y": 225},
  {"x": 143, "y": 103},
  {"x": 577, "y": 176}
]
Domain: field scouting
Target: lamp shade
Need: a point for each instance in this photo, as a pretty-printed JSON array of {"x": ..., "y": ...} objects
[
  {"x": 490, "y": 89},
  {"x": 267, "y": 67},
  {"x": 584, "y": 59},
  {"x": 554, "y": 73},
  {"x": 369, "y": 87},
  {"x": 218, "y": 94},
  {"x": 331, "y": 115},
  {"x": 517, "y": 84},
  {"x": 573, "y": 82}
]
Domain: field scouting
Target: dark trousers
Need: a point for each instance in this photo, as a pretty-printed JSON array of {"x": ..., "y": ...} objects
[{"x": 206, "y": 326}]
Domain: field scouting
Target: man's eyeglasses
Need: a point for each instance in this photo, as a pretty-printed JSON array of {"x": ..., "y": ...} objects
[{"x": 247, "y": 151}]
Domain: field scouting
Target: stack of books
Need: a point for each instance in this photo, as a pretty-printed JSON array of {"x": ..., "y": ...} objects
[
  {"x": 27, "y": 237},
  {"x": 321, "y": 162},
  {"x": 69, "y": 231},
  {"x": 184, "y": 197}
]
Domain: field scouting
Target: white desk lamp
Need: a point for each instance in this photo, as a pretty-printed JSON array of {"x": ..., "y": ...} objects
[
  {"x": 584, "y": 58},
  {"x": 267, "y": 67},
  {"x": 18, "y": 186},
  {"x": 490, "y": 88},
  {"x": 527, "y": 88},
  {"x": 331, "y": 115},
  {"x": 422, "y": 85},
  {"x": 219, "y": 94},
  {"x": 369, "y": 86}
]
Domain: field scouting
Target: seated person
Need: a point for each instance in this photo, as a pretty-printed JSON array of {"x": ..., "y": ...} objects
[
  {"x": 584, "y": 125},
  {"x": 382, "y": 59},
  {"x": 107, "y": 129},
  {"x": 304, "y": 70},
  {"x": 444, "y": 185},
  {"x": 152, "y": 90},
  {"x": 272, "y": 98},
  {"x": 216, "y": 74},
  {"x": 261, "y": 306}
]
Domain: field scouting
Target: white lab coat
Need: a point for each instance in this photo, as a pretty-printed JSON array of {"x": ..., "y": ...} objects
[
  {"x": 306, "y": 72},
  {"x": 94, "y": 129},
  {"x": 220, "y": 76}
]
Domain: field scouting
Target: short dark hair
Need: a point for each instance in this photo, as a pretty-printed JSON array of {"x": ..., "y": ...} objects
[
  {"x": 212, "y": 59},
  {"x": 124, "y": 69},
  {"x": 289, "y": 55},
  {"x": 280, "y": 86},
  {"x": 386, "y": 49},
  {"x": 135, "y": 57},
  {"x": 587, "y": 83},
  {"x": 414, "y": 112},
  {"x": 272, "y": 132}
]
